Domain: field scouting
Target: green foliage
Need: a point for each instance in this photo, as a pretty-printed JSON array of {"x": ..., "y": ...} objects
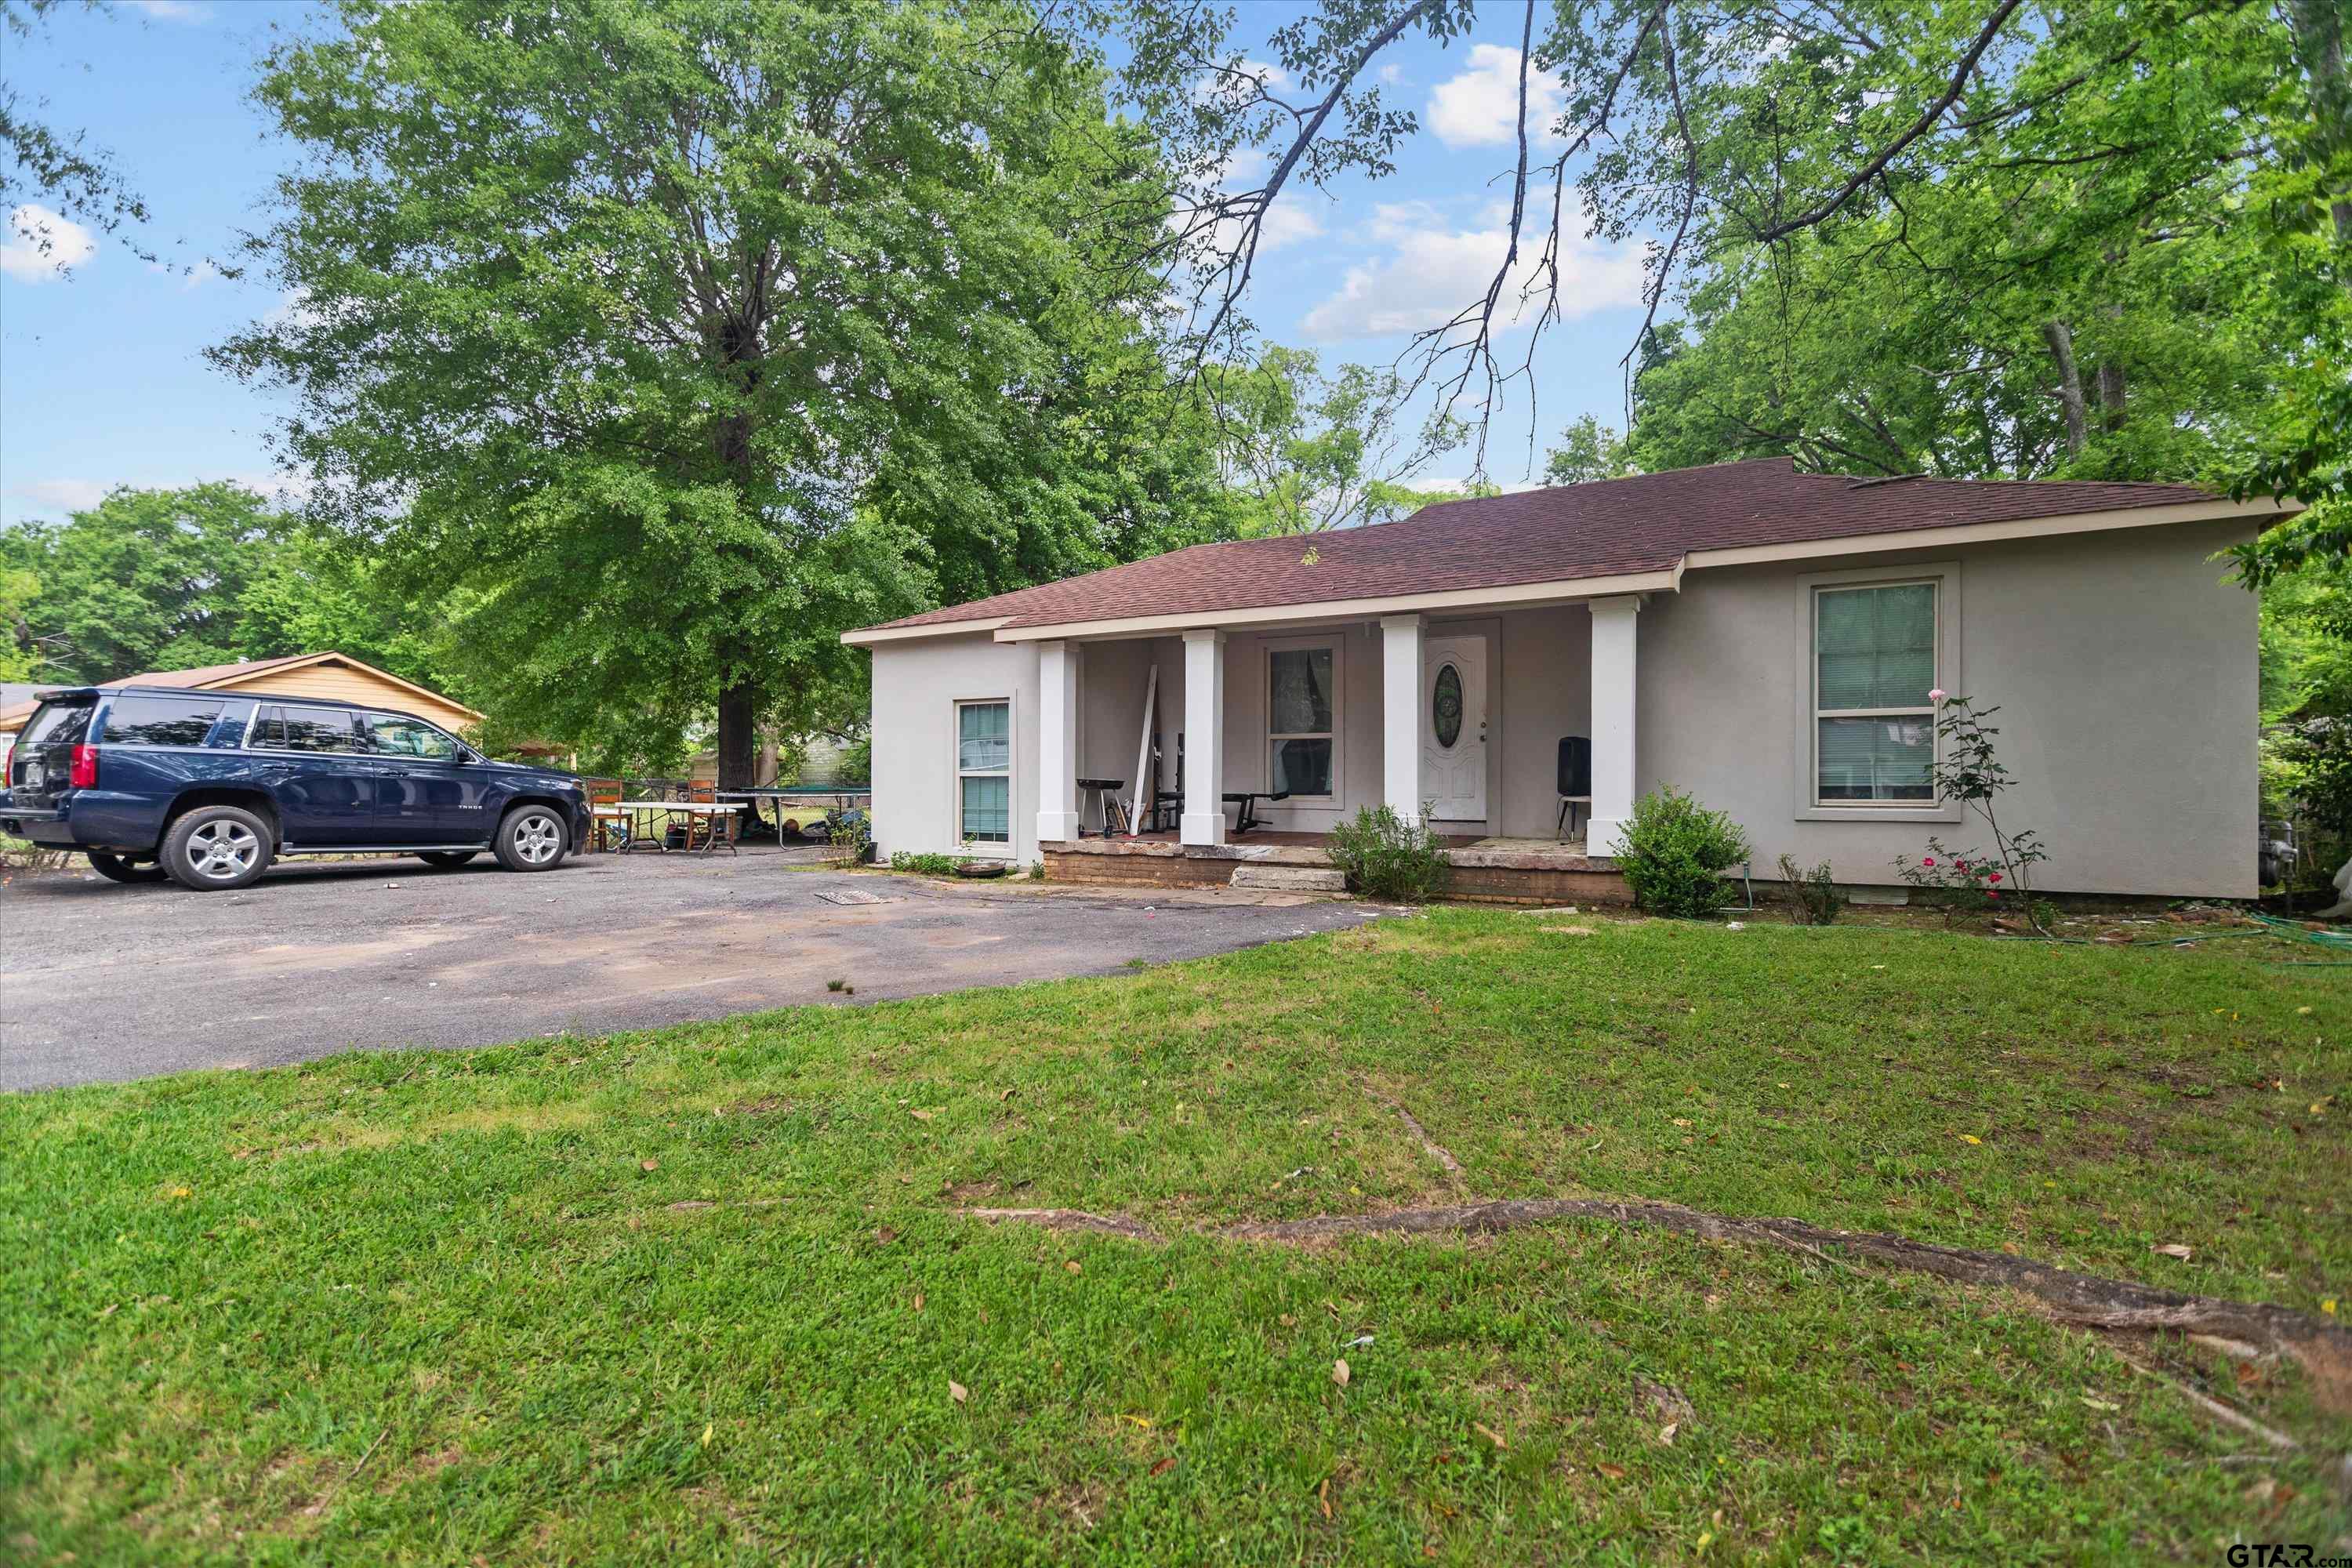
[
  {"x": 20, "y": 658},
  {"x": 923, "y": 865},
  {"x": 2319, "y": 751},
  {"x": 174, "y": 579},
  {"x": 1813, "y": 892},
  {"x": 1306, "y": 451},
  {"x": 668, "y": 340},
  {"x": 1588, "y": 450},
  {"x": 1674, "y": 853},
  {"x": 1386, "y": 856}
]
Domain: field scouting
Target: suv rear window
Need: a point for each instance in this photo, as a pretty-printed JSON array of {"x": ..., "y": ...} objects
[
  {"x": 58, "y": 725},
  {"x": 161, "y": 721}
]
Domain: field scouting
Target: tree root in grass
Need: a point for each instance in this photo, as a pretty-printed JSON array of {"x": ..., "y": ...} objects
[{"x": 2322, "y": 1349}]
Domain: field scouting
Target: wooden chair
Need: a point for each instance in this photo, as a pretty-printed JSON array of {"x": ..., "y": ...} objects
[
  {"x": 703, "y": 832},
  {"x": 606, "y": 833}
]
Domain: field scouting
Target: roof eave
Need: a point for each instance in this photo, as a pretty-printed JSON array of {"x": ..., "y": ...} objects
[
  {"x": 866, "y": 636},
  {"x": 2206, "y": 510},
  {"x": 1515, "y": 595}
]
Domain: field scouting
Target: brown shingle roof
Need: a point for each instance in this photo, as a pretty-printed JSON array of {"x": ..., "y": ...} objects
[{"x": 1610, "y": 529}]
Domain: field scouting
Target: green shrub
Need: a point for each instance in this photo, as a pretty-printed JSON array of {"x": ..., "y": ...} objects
[
  {"x": 1385, "y": 856},
  {"x": 1673, "y": 853},
  {"x": 923, "y": 865},
  {"x": 1816, "y": 896}
]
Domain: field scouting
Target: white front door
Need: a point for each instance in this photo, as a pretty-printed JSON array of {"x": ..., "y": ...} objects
[{"x": 1454, "y": 727}]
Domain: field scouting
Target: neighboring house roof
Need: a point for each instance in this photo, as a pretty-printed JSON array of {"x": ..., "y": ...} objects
[
  {"x": 1619, "y": 536},
  {"x": 229, "y": 677}
]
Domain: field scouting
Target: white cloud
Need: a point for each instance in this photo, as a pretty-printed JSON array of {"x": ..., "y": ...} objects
[
  {"x": 1433, "y": 273},
  {"x": 64, "y": 495},
  {"x": 81, "y": 495},
  {"x": 1480, "y": 108},
  {"x": 1392, "y": 74},
  {"x": 41, "y": 245},
  {"x": 171, "y": 10}
]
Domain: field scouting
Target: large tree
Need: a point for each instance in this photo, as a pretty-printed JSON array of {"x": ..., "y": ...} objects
[{"x": 682, "y": 335}]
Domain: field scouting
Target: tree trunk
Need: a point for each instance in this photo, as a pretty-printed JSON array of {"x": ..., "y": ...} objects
[
  {"x": 2060, "y": 338},
  {"x": 2317, "y": 28},
  {"x": 2111, "y": 396},
  {"x": 739, "y": 709}
]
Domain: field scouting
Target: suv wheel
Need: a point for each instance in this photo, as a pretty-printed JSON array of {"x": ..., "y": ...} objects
[
  {"x": 215, "y": 847},
  {"x": 446, "y": 856},
  {"x": 531, "y": 838},
  {"x": 122, "y": 869}
]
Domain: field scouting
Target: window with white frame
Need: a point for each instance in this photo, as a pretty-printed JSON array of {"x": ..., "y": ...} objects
[
  {"x": 984, "y": 773},
  {"x": 1874, "y": 667},
  {"x": 1300, "y": 734}
]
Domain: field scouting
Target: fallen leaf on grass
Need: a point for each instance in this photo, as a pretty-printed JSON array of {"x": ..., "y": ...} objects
[
  {"x": 1323, "y": 1496},
  {"x": 885, "y": 1237},
  {"x": 1970, "y": 1138},
  {"x": 649, "y": 1165},
  {"x": 2100, "y": 1404},
  {"x": 1666, "y": 1433},
  {"x": 958, "y": 1391},
  {"x": 1615, "y": 1472},
  {"x": 1339, "y": 1371},
  {"x": 1164, "y": 1465},
  {"x": 2173, "y": 1249},
  {"x": 922, "y": 1115},
  {"x": 1072, "y": 1265},
  {"x": 706, "y": 1431},
  {"x": 918, "y": 1300}
]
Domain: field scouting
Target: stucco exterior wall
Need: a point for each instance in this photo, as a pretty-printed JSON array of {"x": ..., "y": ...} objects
[
  {"x": 2124, "y": 666},
  {"x": 916, "y": 685}
]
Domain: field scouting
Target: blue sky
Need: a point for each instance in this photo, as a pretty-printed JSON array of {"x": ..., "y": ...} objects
[{"x": 102, "y": 375}]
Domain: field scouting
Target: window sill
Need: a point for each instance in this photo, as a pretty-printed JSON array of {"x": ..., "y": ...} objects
[
  {"x": 986, "y": 851},
  {"x": 1879, "y": 814}
]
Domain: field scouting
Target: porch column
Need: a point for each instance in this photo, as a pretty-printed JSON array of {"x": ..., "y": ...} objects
[
  {"x": 1612, "y": 720},
  {"x": 1057, "y": 743},
  {"x": 1400, "y": 715},
  {"x": 1204, "y": 821}
]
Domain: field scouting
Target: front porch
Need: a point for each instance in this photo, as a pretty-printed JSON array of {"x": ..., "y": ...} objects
[
  {"x": 1508, "y": 729},
  {"x": 1486, "y": 870}
]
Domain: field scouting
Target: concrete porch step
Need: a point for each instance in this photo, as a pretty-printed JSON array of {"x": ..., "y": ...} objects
[{"x": 1291, "y": 879}]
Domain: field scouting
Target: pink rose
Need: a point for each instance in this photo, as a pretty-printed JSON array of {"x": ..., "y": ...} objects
[
  {"x": 1936, "y": 696},
  {"x": 1992, "y": 892},
  {"x": 1994, "y": 877},
  {"x": 1961, "y": 865},
  {"x": 1928, "y": 860}
]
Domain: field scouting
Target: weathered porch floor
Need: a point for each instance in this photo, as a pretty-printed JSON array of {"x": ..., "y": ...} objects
[{"x": 1491, "y": 869}]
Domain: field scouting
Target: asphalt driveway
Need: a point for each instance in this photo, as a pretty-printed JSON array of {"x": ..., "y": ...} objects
[{"x": 99, "y": 982}]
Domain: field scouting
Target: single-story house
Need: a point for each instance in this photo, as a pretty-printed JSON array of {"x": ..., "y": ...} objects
[
  {"x": 337, "y": 676},
  {"x": 1763, "y": 638}
]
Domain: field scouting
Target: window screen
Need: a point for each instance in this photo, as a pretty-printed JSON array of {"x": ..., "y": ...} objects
[
  {"x": 1873, "y": 667},
  {"x": 983, "y": 772}
]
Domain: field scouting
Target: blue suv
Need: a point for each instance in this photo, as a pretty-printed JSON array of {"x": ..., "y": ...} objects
[{"x": 208, "y": 788}]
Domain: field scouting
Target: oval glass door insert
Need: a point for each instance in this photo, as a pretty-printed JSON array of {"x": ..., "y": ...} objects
[{"x": 1446, "y": 706}]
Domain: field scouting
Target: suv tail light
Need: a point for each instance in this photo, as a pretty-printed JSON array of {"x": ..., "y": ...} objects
[{"x": 85, "y": 767}]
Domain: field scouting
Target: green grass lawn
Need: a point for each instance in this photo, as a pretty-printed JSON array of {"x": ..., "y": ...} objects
[{"x": 700, "y": 1294}]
